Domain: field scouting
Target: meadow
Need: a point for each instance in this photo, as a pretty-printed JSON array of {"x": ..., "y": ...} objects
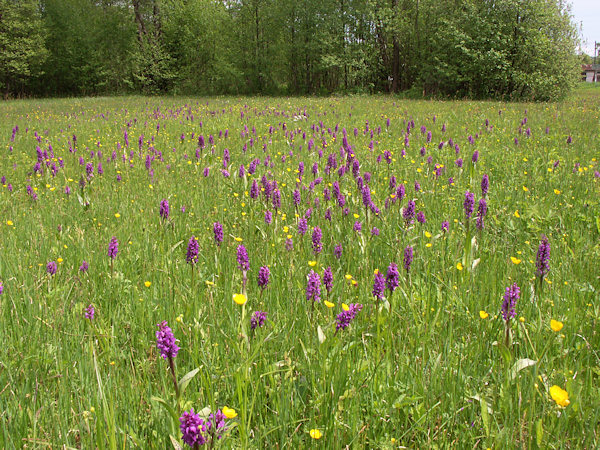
[{"x": 355, "y": 272}]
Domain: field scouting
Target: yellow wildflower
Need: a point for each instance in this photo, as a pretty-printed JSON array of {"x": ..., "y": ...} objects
[{"x": 560, "y": 396}]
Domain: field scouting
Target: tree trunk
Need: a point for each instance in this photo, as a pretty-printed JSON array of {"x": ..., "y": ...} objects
[
  {"x": 139, "y": 20},
  {"x": 395, "y": 56}
]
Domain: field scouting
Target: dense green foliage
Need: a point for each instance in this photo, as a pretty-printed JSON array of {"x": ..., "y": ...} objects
[
  {"x": 523, "y": 49},
  {"x": 427, "y": 366}
]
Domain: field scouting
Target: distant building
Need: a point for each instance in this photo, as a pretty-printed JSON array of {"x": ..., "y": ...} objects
[{"x": 590, "y": 73}]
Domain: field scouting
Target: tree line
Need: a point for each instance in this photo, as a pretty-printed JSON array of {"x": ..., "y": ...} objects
[{"x": 511, "y": 49}]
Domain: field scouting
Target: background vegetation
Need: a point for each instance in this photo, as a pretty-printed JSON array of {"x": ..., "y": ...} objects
[{"x": 519, "y": 49}]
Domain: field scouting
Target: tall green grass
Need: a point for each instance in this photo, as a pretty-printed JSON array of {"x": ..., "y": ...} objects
[{"x": 427, "y": 372}]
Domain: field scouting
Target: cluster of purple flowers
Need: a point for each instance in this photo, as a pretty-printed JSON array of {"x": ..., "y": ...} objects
[
  {"x": 165, "y": 341},
  {"x": 192, "y": 251},
  {"x": 242, "y": 258},
  {"x": 481, "y": 213},
  {"x": 313, "y": 287},
  {"x": 469, "y": 204},
  {"x": 196, "y": 431},
  {"x": 316, "y": 240},
  {"x": 543, "y": 258},
  {"x": 113, "y": 247},
  {"x": 218, "y": 233},
  {"x": 378, "y": 286},
  {"x": 345, "y": 317},
  {"x": 258, "y": 319},
  {"x": 164, "y": 209},
  {"x": 408, "y": 258},
  {"x": 263, "y": 277},
  {"x": 511, "y": 296},
  {"x": 392, "y": 278},
  {"x": 89, "y": 311}
]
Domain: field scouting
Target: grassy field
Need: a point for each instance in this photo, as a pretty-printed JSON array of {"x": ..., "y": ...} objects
[{"x": 428, "y": 363}]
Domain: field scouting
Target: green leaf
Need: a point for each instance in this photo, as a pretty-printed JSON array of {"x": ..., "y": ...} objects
[
  {"x": 504, "y": 352},
  {"x": 185, "y": 380},
  {"x": 520, "y": 365},
  {"x": 485, "y": 415},
  {"x": 539, "y": 432},
  {"x": 321, "y": 334},
  {"x": 168, "y": 407},
  {"x": 175, "y": 443}
]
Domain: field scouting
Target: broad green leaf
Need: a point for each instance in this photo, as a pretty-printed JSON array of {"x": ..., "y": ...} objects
[
  {"x": 321, "y": 334},
  {"x": 485, "y": 416},
  {"x": 168, "y": 407},
  {"x": 185, "y": 380},
  {"x": 539, "y": 432},
  {"x": 520, "y": 365}
]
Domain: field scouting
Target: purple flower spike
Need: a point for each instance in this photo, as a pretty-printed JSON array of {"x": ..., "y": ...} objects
[
  {"x": 313, "y": 287},
  {"x": 392, "y": 278},
  {"x": 89, "y": 312},
  {"x": 378, "y": 286},
  {"x": 191, "y": 428},
  {"x": 51, "y": 267},
  {"x": 84, "y": 267},
  {"x": 409, "y": 212},
  {"x": 113, "y": 247},
  {"x": 408, "y": 258},
  {"x": 511, "y": 296},
  {"x": 469, "y": 204},
  {"x": 481, "y": 213},
  {"x": 258, "y": 319},
  {"x": 164, "y": 209},
  {"x": 264, "y": 275},
  {"x": 345, "y": 317},
  {"x": 192, "y": 251},
  {"x": 337, "y": 251},
  {"x": 218, "y": 233},
  {"x": 316, "y": 240},
  {"x": 165, "y": 341},
  {"x": 328, "y": 279},
  {"x": 543, "y": 258},
  {"x": 242, "y": 258},
  {"x": 485, "y": 184}
]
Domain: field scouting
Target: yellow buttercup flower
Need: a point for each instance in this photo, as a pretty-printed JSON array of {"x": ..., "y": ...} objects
[
  {"x": 515, "y": 260},
  {"x": 560, "y": 396},
  {"x": 483, "y": 314},
  {"x": 240, "y": 299},
  {"x": 556, "y": 325},
  {"x": 427, "y": 234},
  {"x": 117, "y": 215},
  {"x": 556, "y": 191},
  {"x": 517, "y": 215},
  {"x": 9, "y": 223},
  {"x": 238, "y": 239},
  {"x": 147, "y": 283},
  {"x": 348, "y": 276},
  {"x": 312, "y": 263},
  {"x": 345, "y": 307},
  {"x": 525, "y": 189},
  {"x": 329, "y": 304},
  {"x": 459, "y": 266},
  {"x": 229, "y": 412},
  {"x": 315, "y": 434}
]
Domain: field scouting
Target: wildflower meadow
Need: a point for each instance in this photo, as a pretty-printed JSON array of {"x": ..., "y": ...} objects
[{"x": 356, "y": 272}]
